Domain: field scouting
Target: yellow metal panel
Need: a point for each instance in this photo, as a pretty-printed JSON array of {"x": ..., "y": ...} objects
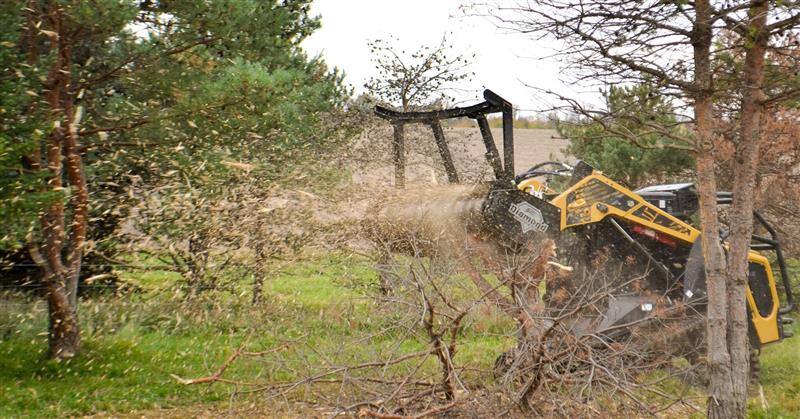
[
  {"x": 592, "y": 210},
  {"x": 766, "y": 327},
  {"x": 588, "y": 208},
  {"x": 534, "y": 187}
]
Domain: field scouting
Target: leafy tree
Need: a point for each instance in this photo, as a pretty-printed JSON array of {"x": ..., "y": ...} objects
[
  {"x": 630, "y": 109},
  {"x": 145, "y": 92},
  {"x": 20, "y": 198},
  {"x": 415, "y": 79}
]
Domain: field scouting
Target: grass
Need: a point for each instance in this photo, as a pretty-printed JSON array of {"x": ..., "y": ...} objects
[
  {"x": 134, "y": 343},
  {"x": 780, "y": 378},
  {"x": 118, "y": 373}
]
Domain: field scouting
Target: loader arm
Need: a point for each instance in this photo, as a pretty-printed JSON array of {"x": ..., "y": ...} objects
[{"x": 596, "y": 197}]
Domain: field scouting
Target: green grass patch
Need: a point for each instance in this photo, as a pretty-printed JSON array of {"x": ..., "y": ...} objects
[
  {"x": 116, "y": 373},
  {"x": 133, "y": 344},
  {"x": 780, "y": 378}
]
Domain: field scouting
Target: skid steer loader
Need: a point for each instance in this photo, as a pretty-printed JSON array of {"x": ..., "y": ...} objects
[{"x": 651, "y": 225}]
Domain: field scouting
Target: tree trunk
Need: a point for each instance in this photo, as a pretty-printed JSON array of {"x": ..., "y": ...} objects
[
  {"x": 59, "y": 251},
  {"x": 399, "y": 156},
  {"x": 259, "y": 275},
  {"x": 63, "y": 331},
  {"x": 721, "y": 400},
  {"x": 258, "y": 285},
  {"x": 64, "y": 334},
  {"x": 741, "y": 219},
  {"x": 720, "y": 392},
  {"x": 261, "y": 258},
  {"x": 79, "y": 199}
]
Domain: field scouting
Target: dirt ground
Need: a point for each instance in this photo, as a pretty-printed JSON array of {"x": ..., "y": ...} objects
[
  {"x": 424, "y": 166},
  {"x": 532, "y": 146}
]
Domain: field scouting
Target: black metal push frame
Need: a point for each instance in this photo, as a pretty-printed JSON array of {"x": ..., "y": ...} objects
[
  {"x": 772, "y": 243},
  {"x": 493, "y": 103}
]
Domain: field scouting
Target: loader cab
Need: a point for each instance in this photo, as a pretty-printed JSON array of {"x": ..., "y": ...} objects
[
  {"x": 681, "y": 201},
  {"x": 544, "y": 180},
  {"x": 657, "y": 221},
  {"x": 677, "y": 199},
  {"x": 764, "y": 308},
  {"x": 549, "y": 179}
]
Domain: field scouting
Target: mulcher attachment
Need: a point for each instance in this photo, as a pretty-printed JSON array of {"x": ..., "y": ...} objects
[{"x": 516, "y": 217}]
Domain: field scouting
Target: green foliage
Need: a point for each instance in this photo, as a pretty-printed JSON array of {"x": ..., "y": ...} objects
[
  {"x": 20, "y": 201},
  {"x": 607, "y": 143},
  {"x": 20, "y": 133},
  {"x": 242, "y": 91},
  {"x": 267, "y": 32},
  {"x": 172, "y": 92},
  {"x": 780, "y": 378}
]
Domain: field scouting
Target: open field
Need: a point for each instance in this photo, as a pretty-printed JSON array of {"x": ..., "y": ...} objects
[
  {"x": 532, "y": 146},
  {"x": 135, "y": 343}
]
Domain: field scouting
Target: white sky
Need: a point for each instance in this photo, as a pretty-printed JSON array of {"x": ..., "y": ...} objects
[{"x": 503, "y": 62}]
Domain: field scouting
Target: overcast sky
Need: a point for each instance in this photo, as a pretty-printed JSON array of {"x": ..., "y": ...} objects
[{"x": 504, "y": 62}]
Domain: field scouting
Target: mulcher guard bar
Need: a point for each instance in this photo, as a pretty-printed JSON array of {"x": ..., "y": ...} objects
[{"x": 493, "y": 103}]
